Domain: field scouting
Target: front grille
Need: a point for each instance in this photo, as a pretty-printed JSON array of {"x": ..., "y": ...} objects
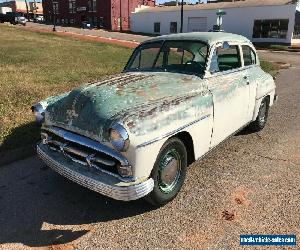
[{"x": 80, "y": 153}]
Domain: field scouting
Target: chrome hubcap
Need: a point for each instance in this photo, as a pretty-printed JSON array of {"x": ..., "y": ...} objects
[{"x": 169, "y": 171}]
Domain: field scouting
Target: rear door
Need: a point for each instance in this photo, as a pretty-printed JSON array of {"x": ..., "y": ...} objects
[
  {"x": 230, "y": 89},
  {"x": 251, "y": 72}
]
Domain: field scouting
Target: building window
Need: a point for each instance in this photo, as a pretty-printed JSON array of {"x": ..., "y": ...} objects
[
  {"x": 273, "y": 28},
  {"x": 55, "y": 7},
  {"x": 71, "y": 21},
  {"x": 92, "y": 5},
  {"x": 173, "y": 27},
  {"x": 156, "y": 27},
  {"x": 72, "y": 6}
]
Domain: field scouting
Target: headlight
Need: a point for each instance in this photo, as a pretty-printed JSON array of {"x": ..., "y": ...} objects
[
  {"x": 39, "y": 113},
  {"x": 119, "y": 137}
]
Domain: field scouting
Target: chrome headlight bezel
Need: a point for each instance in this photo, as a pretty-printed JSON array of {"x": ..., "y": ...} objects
[
  {"x": 39, "y": 113},
  {"x": 120, "y": 140}
]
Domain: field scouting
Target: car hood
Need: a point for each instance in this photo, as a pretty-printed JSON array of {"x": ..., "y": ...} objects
[{"x": 126, "y": 98}]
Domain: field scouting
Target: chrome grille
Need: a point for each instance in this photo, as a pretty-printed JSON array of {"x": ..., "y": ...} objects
[{"x": 80, "y": 153}]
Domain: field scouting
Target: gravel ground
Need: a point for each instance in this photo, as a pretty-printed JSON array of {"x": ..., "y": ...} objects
[{"x": 249, "y": 184}]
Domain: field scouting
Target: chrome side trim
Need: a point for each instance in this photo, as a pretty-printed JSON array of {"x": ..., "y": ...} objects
[
  {"x": 84, "y": 141},
  {"x": 172, "y": 132},
  {"x": 124, "y": 193}
]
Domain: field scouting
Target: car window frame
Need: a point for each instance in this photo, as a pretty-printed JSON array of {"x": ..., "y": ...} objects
[
  {"x": 240, "y": 58},
  {"x": 257, "y": 62},
  {"x": 214, "y": 46},
  {"x": 131, "y": 58}
]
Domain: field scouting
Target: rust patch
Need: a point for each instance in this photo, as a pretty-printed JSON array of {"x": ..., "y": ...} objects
[
  {"x": 239, "y": 196},
  {"x": 229, "y": 216}
]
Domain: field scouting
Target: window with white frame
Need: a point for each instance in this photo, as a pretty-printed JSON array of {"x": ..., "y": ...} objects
[
  {"x": 92, "y": 5},
  {"x": 55, "y": 7},
  {"x": 173, "y": 27},
  {"x": 72, "y": 6}
]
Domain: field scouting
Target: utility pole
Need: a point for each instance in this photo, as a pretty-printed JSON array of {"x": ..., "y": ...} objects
[
  {"x": 54, "y": 17},
  {"x": 27, "y": 10},
  {"x": 181, "y": 17},
  {"x": 34, "y": 9}
]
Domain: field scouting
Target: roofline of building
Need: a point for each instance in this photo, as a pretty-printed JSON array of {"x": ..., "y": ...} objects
[{"x": 194, "y": 7}]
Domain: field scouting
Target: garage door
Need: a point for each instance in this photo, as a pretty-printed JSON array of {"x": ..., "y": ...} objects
[{"x": 197, "y": 24}]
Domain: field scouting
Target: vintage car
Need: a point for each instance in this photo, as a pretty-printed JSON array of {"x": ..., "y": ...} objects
[{"x": 133, "y": 134}]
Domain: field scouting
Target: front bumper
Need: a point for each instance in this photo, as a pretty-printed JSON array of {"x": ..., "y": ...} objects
[{"x": 92, "y": 179}]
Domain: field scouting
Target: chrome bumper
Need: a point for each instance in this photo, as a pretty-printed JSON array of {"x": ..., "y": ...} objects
[{"x": 97, "y": 181}]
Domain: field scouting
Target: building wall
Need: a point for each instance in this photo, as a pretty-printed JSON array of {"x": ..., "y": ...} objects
[
  {"x": 64, "y": 16},
  {"x": 108, "y": 11},
  {"x": 237, "y": 20},
  {"x": 121, "y": 10},
  {"x": 20, "y": 6}
]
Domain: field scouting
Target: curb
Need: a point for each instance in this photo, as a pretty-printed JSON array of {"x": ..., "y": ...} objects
[{"x": 124, "y": 43}]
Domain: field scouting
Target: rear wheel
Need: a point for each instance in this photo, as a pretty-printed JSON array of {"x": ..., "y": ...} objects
[
  {"x": 169, "y": 172},
  {"x": 262, "y": 116}
]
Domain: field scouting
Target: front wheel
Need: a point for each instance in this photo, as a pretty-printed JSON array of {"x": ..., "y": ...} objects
[{"x": 169, "y": 172}]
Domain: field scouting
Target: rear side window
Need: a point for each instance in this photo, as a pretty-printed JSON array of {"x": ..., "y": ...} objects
[
  {"x": 225, "y": 59},
  {"x": 249, "y": 55}
]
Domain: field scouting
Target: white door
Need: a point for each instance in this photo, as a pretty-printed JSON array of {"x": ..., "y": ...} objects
[
  {"x": 197, "y": 24},
  {"x": 230, "y": 90}
]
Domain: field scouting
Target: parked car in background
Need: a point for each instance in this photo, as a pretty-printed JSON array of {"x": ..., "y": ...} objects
[
  {"x": 13, "y": 18},
  {"x": 39, "y": 19},
  {"x": 21, "y": 20},
  {"x": 133, "y": 135}
]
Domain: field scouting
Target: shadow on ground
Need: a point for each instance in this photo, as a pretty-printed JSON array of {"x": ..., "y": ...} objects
[
  {"x": 20, "y": 143},
  {"x": 39, "y": 208}
]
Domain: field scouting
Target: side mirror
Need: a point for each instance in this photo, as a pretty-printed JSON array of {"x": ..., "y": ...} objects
[{"x": 225, "y": 45}]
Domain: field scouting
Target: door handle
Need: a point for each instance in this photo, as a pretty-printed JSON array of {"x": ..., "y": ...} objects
[{"x": 247, "y": 78}]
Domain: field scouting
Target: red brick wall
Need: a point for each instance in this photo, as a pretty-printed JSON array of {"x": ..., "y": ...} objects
[
  {"x": 109, "y": 10},
  {"x": 126, "y": 8}
]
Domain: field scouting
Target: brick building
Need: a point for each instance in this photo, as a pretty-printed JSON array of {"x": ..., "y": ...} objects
[
  {"x": 108, "y": 14},
  {"x": 20, "y": 7}
]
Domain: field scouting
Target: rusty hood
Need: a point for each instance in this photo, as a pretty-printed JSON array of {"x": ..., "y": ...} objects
[{"x": 91, "y": 109}]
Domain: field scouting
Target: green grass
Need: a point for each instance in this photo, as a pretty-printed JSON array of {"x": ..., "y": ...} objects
[
  {"x": 276, "y": 47},
  {"x": 34, "y": 66},
  {"x": 270, "y": 67},
  {"x": 37, "y": 65}
]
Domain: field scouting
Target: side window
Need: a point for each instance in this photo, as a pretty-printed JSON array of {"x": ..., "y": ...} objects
[
  {"x": 225, "y": 59},
  {"x": 249, "y": 55}
]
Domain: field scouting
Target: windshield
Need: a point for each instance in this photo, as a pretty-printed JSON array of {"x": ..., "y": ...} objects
[{"x": 172, "y": 56}]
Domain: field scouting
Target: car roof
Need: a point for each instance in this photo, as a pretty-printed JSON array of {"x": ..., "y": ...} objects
[{"x": 207, "y": 37}]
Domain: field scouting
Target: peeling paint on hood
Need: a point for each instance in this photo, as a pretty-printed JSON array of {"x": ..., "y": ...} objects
[{"x": 90, "y": 110}]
